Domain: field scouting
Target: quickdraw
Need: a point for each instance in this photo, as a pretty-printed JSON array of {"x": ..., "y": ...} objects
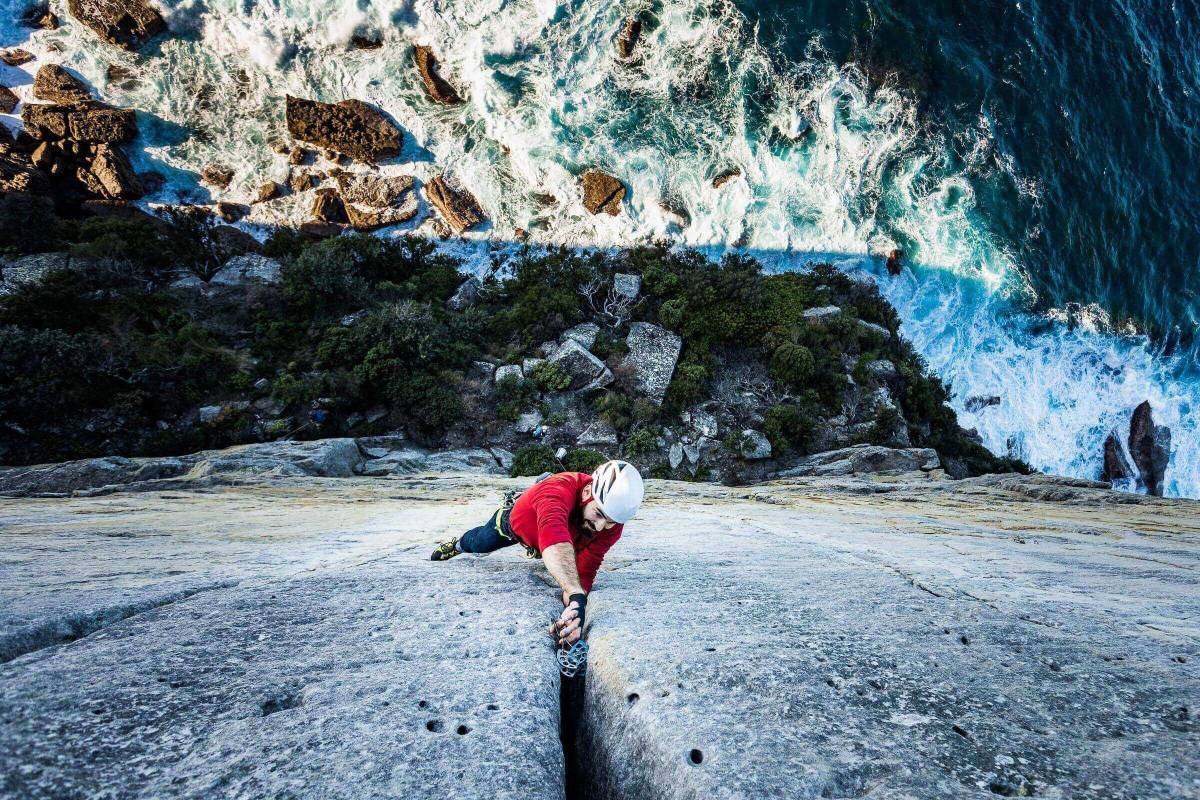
[{"x": 571, "y": 661}]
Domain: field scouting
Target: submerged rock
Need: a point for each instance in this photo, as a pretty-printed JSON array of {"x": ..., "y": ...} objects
[
  {"x": 456, "y": 205},
  {"x": 124, "y": 23},
  {"x": 726, "y": 176},
  {"x": 439, "y": 90},
  {"x": 602, "y": 192},
  {"x": 350, "y": 126},
  {"x": 631, "y": 32}
]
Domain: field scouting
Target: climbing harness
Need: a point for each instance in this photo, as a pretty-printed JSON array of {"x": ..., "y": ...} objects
[{"x": 571, "y": 661}]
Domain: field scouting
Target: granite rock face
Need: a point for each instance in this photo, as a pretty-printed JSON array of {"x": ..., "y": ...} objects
[
  {"x": 827, "y": 637},
  {"x": 584, "y": 368},
  {"x": 1150, "y": 446},
  {"x": 124, "y": 23},
  {"x": 261, "y": 660},
  {"x": 351, "y": 127}
]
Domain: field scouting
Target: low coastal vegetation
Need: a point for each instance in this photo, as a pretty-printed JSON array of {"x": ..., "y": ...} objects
[{"x": 135, "y": 335}]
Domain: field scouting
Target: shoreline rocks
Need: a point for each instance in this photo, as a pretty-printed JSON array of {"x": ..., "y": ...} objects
[
  {"x": 351, "y": 127},
  {"x": 439, "y": 90},
  {"x": 456, "y": 205},
  {"x": 127, "y": 24},
  {"x": 602, "y": 192}
]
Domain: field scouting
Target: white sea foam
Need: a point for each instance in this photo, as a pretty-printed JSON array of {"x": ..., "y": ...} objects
[{"x": 547, "y": 97}]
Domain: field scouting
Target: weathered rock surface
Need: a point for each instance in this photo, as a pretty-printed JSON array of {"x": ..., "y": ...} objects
[
  {"x": 866, "y": 459},
  {"x": 15, "y": 56},
  {"x": 250, "y": 648},
  {"x": 351, "y": 127},
  {"x": 440, "y": 91},
  {"x": 125, "y": 23},
  {"x": 455, "y": 204},
  {"x": 465, "y": 295},
  {"x": 54, "y": 84},
  {"x": 24, "y": 270},
  {"x": 653, "y": 351},
  {"x": 602, "y": 192},
  {"x": 1008, "y": 635},
  {"x": 8, "y": 100},
  {"x": 375, "y": 201},
  {"x": 89, "y": 122},
  {"x": 1116, "y": 463}
]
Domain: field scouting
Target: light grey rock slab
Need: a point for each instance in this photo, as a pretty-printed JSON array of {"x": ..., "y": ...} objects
[
  {"x": 466, "y": 294},
  {"x": 864, "y": 459},
  {"x": 653, "y": 351},
  {"x": 376, "y": 679},
  {"x": 879, "y": 329},
  {"x": 529, "y": 364},
  {"x": 585, "y": 333},
  {"x": 527, "y": 423},
  {"x": 30, "y": 269},
  {"x": 912, "y": 645},
  {"x": 598, "y": 434}
]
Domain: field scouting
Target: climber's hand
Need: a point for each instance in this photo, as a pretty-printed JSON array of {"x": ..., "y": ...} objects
[{"x": 569, "y": 626}]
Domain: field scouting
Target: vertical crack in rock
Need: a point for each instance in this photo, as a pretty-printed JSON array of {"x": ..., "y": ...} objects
[{"x": 571, "y": 721}]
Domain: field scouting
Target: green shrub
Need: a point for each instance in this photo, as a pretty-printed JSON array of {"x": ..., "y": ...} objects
[
  {"x": 792, "y": 365},
  {"x": 615, "y": 409},
  {"x": 513, "y": 397},
  {"x": 787, "y": 428},
  {"x": 642, "y": 442},
  {"x": 687, "y": 385},
  {"x": 534, "y": 459},
  {"x": 550, "y": 377},
  {"x": 582, "y": 460}
]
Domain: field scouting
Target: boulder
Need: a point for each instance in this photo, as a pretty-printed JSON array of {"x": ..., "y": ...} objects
[
  {"x": 114, "y": 175},
  {"x": 726, "y": 176},
  {"x": 1116, "y": 463},
  {"x": 873, "y": 328},
  {"x": 8, "y": 100},
  {"x": 456, "y": 205},
  {"x": 371, "y": 219},
  {"x": 653, "y": 351},
  {"x": 89, "y": 122},
  {"x": 268, "y": 191},
  {"x": 529, "y": 422},
  {"x": 508, "y": 371},
  {"x": 232, "y": 212},
  {"x": 361, "y": 41},
  {"x": 675, "y": 455},
  {"x": 350, "y": 126},
  {"x": 124, "y": 23},
  {"x": 376, "y": 191},
  {"x": 328, "y": 207},
  {"x": 584, "y": 333},
  {"x": 1150, "y": 446},
  {"x": 248, "y": 268},
  {"x": 631, "y": 31},
  {"x": 55, "y": 85},
  {"x": 15, "y": 56},
  {"x": 893, "y": 265},
  {"x": 882, "y": 370},
  {"x": 585, "y": 369},
  {"x": 465, "y": 295},
  {"x": 602, "y": 192},
  {"x": 216, "y": 176},
  {"x": 528, "y": 365},
  {"x": 599, "y": 435},
  {"x": 700, "y": 420},
  {"x": 865, "y": 459},
  {"x": 483, "y": 369},
  {"x": 754, "y": 445},
  {"x": 626, "y": 285},
  {"x": 439, "y": 90}
]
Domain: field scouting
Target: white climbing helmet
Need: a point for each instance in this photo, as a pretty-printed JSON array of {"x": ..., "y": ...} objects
[{"x": 617, "y": 487}]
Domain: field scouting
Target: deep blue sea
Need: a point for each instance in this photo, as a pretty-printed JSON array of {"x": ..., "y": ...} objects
[{"x": 1036, "y": 162}]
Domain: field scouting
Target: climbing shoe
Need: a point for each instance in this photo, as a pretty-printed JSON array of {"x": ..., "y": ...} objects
[{"x": 445, "y": 551}]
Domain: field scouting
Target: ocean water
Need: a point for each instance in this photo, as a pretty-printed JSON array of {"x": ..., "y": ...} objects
[{"x": 1034, "y": 161}]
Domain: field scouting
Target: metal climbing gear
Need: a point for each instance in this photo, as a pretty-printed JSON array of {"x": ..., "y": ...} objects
[{"x": 572, "y": 660}]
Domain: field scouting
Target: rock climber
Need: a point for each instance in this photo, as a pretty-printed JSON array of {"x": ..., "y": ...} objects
[{"x": 569, "y": 520}]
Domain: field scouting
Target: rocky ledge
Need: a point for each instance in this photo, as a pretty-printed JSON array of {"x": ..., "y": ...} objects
[{"x": 1003, "y": 636}]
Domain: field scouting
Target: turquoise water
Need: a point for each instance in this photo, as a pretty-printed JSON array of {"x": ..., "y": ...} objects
[{"x": 1033, "y": 162}]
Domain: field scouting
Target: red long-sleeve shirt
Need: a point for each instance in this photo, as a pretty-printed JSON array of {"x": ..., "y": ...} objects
[{"x": 551, "y": 512}]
